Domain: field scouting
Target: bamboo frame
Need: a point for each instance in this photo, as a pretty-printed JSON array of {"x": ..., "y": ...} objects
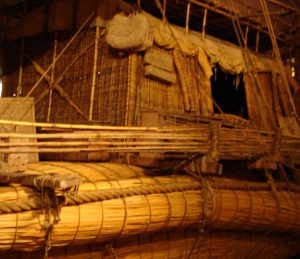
[
  {"x": 229, "y": 14},
  {"x": 20, "y": 77},
  {"x": 231, "y": 142},
  {"x": 257, "y": 42},
  {"x": 278, "y": 58},
  {"x": 60, "y": 54},
  {"x": 92, "y": 96},
  {"x": 204, "y": 23},
  {"x": 56, "y": 87},
  {"x": 188, "y": 11},
  {"x": 52, "y": 77}
]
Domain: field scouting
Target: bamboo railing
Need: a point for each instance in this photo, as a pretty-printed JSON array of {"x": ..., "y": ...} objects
[{"x": 232, "y": 143}]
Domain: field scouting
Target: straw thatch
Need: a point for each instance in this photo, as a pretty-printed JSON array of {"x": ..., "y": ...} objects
[{"x": 107, "y": 209}]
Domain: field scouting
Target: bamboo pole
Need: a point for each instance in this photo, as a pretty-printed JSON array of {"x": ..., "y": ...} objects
[
  {"x": 92, "y": 97},
  {"x": 164, "y": 10},
  {"x": 232, "y": 144},
  {"x": 188, "y": 11},
  {"x": 246, "y": 36},
  {"x": 272, "y": 34},
  {"x": 131, "y": 101},
  {"x": 229, "y": 16},
  {"x": 19, "y": 88},
  {"x": 52, "y": 77},
  {"x": 257, "y": 42},
  {"x": 116, "y": 128},
  {"x": 72, "y": 126},
  {"x": 204, "y": 23}
]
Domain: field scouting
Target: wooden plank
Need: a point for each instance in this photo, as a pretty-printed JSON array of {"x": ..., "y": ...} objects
[
  {"x": 51, "y": 181},
  {"x": 18, "y": 109}
]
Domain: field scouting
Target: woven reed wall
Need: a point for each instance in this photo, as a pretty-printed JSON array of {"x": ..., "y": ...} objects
[
  {"x": 189, "y": 244},
  {"x": 264, "y": 104},
  {"x": 154, "y": 95},
  {"x": 111, "y": 77},
  {"x": 136, "y": 205}
]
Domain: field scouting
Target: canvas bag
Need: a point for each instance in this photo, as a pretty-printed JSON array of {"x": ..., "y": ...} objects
[{"x": 130, "y": 33}]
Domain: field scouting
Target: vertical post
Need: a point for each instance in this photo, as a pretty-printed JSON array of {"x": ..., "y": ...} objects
[
  {"x": 94, "y": 73},
  {"x": 246, "y": 36},
  {"x": 164, "y": 11},
  {"x": 19, "y": 88},
  {"x": 188, "y": 11},
  {"x": 165, "y": 6},
  {"x": 257, "y": 42},
  {"x": 204, "y": 23},
  {"x": 52, "y": 77},
  {"x": 246, "y": 31}
]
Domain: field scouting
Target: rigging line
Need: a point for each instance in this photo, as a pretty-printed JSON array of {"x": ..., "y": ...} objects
[
  {"x": 248, "y": 62},
  {"x": 278, "y": 56}
]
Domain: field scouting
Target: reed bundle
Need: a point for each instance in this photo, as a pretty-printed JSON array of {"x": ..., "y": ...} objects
[
  {"x": 189, "y": 244},
  {"x": 233, "y": 143},
  {"x": 103, "y": 210}
]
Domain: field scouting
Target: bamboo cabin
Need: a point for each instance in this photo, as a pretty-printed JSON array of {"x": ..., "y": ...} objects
[{"x": 150, "y": 129}]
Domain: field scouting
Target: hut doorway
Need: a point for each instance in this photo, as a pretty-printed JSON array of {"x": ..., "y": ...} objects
[{"x": 229, "y": 92}]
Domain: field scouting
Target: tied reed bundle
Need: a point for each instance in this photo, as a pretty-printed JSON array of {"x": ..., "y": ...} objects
[
  {"x": 107, "y": 209},
  {"x": 188, "y": 244}
]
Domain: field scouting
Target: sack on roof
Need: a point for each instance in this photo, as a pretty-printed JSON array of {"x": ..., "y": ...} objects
[{"x": 130, "y": 33}]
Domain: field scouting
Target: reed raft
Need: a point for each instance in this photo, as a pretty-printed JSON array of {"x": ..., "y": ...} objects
[
  {"x": 104, "y": 208},
  {"x": 232, "y": 143},
  {"x": 188, "y": 244}
]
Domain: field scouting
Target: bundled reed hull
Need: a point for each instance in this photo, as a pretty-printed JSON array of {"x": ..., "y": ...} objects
[
  {"x": 107, "y": 208},
  {"x": 190, "y": 244}
]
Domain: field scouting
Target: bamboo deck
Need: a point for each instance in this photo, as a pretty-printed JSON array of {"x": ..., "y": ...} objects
[{"x": 231, "y": 143}]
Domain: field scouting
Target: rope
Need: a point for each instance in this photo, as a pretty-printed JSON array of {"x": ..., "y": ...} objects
[
  {"x": 128, "y": 192},
  {"x": 35, "y": 202}
]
